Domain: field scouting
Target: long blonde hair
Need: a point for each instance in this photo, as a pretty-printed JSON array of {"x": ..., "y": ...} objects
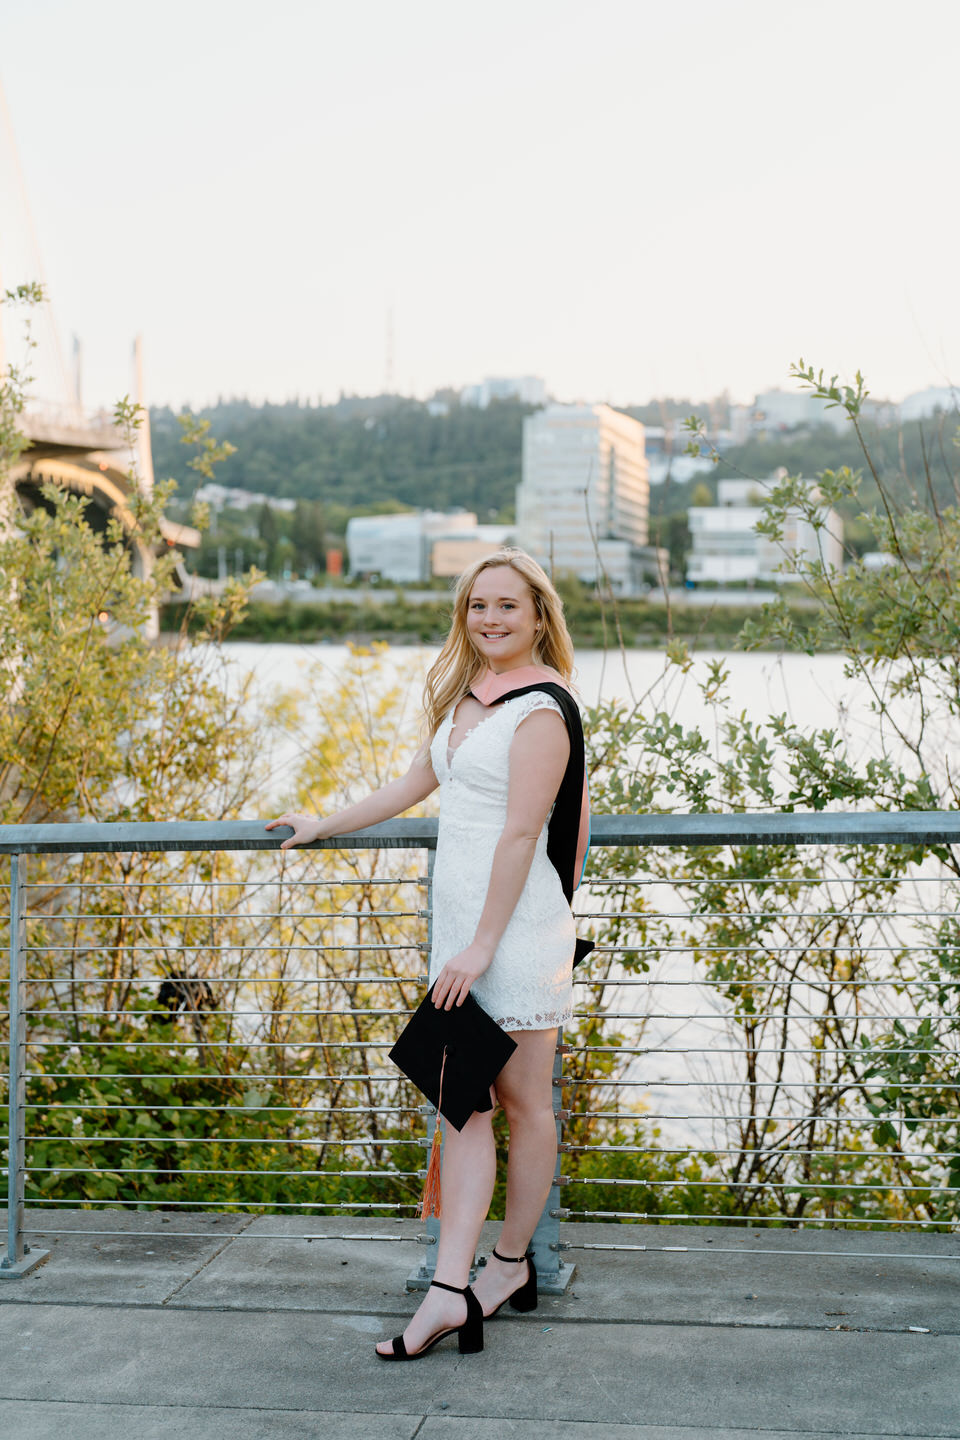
[{"x": 459, "y": 662}]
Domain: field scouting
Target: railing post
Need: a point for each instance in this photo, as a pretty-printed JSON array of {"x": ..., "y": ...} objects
[
  {"x": 553, "y": 1275},
  {"x": 18, "y": 1259}
]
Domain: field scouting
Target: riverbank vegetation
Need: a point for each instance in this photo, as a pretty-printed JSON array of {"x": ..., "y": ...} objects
[{"x": 634, "y": 622}]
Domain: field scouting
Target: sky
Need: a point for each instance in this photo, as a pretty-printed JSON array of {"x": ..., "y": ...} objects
[{"x": 629, "y": 198}]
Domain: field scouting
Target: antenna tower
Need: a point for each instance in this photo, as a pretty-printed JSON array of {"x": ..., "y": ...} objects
[{"x": 388, "y": 377}]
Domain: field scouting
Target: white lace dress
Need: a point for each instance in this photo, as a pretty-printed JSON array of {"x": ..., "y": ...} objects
[{"x": 528, "y": 984}]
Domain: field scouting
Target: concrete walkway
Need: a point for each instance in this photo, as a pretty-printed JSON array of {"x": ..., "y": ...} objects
[{"x": 216, "y": 1326}]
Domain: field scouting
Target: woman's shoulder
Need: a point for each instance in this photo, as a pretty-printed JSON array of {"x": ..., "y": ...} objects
[
  {"x": 529, "y": 700},
  {"x": 547, "y": 673},
  {"x": 534, "y": 674}
]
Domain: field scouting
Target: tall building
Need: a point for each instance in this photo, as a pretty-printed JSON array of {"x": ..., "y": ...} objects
[{"x": 585, "y": 489}]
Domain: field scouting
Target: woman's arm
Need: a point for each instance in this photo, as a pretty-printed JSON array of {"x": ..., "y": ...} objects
[
  {"x": 381, "y": 804},
  {"x": 539, "y": 753}
]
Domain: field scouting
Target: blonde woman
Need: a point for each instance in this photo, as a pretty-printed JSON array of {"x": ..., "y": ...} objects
[{"x": 498, "y": 747}]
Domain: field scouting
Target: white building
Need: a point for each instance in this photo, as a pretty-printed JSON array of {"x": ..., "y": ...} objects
[
  {"x": 397, "y": 547},
  {"x": 784, "y": 409},
  {"x": 410, "y": 547},
  {"x": 585, "y": 470},
  {"x": 726, "y": 549},
  {"x": 924, "y": 404},
  {"x": 226, "y": 497},
  {"x": 529, "y": 389}
]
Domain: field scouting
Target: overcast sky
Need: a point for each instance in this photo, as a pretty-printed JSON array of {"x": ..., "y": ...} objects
[{"x": 625, "y": 197}]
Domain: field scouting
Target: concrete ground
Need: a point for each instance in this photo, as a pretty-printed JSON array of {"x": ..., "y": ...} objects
[{"x": 213, "y": 1326}]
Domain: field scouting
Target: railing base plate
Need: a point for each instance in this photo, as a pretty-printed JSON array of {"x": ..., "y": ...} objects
[
  {"x": 556, "y": 1284},
  {"x": 19, "y": 1268}
]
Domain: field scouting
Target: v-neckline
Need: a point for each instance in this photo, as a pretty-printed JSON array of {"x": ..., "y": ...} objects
[{"x": 448, "y": 753}]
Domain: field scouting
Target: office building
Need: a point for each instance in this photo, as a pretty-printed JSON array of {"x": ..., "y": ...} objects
[
  {"x": 583, "y": 501},
  {"x": 408, "y": 548}
]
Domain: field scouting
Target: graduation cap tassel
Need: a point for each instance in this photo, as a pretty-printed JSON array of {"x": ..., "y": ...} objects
[{"x": 430, "y": 1200}]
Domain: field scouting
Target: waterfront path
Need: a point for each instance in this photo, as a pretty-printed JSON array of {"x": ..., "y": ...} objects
[{"x": 238, "y": 1332}]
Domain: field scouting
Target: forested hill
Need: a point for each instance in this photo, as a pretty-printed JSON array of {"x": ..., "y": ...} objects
[
  {"x": 917, "y": 461},
  {"x": 360, "y": 453}
]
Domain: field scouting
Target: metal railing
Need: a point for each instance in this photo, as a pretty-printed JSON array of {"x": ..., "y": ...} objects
[{"x": 201, "y": 1025}]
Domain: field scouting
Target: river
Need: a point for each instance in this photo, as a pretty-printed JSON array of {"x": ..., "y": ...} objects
[{"x": 812, "y": 690}]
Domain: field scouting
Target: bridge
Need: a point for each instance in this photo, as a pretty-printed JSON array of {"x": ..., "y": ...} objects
[{"x": 86, "y": 455}]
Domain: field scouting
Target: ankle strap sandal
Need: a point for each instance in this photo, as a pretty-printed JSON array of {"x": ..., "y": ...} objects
[
  {"x": 469, "y": 1334},
  {"x": 524, "y": 1298}
]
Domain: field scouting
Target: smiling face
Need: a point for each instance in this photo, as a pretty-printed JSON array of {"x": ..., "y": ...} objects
[{"x": 502, "y": 618}]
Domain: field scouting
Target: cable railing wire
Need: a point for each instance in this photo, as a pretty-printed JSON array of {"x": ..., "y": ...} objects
[{"x": 666, "y": 934}]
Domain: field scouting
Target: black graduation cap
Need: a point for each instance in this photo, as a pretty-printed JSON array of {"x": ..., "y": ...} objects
[{"x": 464, "y": 1045}]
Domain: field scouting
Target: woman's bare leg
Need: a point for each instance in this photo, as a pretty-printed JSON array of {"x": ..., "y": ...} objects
[
  {"x": 525, "y": 1090},
  {"x": 469, "y": 1170}
]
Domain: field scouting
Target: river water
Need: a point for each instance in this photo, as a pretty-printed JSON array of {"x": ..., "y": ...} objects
[
  {"x": 812, "y": 690},
  {"x": 759, "y": 679}
]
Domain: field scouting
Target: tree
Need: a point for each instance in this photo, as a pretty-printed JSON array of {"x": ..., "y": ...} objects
[
  {"x": 269, "y": 534},
  {"x": 309, "y": 536}
]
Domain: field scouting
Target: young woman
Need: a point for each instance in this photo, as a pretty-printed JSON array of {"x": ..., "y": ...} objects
[{"x": 502, "y": 926}]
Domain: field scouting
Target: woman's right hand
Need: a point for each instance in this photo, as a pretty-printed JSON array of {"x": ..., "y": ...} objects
[{"x": 306, "y": 828}]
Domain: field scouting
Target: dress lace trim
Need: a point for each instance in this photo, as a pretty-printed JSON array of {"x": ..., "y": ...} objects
[{"x": 535, "y": 1022}]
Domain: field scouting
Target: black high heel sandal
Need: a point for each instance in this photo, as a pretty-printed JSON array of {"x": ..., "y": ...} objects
[
  {"x": 469, "y": 1334},
  {"x": 525, "y": 1298}
]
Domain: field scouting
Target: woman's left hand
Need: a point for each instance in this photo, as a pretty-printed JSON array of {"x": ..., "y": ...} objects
[{"x": 452, "y": 985}]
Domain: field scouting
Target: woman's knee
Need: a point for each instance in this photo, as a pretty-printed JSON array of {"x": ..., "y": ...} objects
[{"x": 524, "y": 1107}]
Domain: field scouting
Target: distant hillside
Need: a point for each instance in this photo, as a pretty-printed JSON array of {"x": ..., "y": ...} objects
[
  {"x": 360, "y": 454},
  {"x": 913, "y": 460}
]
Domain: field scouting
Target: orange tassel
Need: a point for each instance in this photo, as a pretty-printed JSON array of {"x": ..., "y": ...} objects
[{"x": 430, "y": 1203}]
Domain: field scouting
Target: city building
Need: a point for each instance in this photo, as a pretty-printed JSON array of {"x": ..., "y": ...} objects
[
  {"x": 924, "y": 404},
  {"x": 226, "y": 497},
  {"x": 450, "y": 554},
  {"x": 779, "y": 410},
  {"x": 410, "y": 547},
  {"x": 725, "y": 546},
  {"x": 529, "y": 389},
  {"x": 583, "y": 500}
]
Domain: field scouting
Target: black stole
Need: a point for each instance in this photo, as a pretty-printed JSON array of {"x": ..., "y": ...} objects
[{"x": 563, "y": 827}]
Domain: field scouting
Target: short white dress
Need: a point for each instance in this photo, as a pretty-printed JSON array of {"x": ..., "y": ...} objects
[{"x": 528, "y": 985}]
